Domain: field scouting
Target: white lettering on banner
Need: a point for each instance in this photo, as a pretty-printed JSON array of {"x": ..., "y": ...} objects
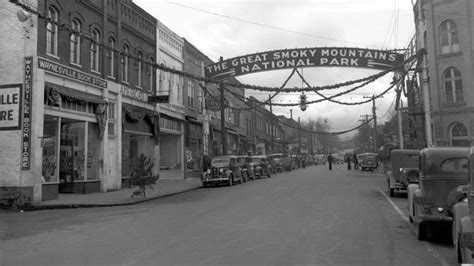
[
  {"x": 10, "y": 106},
  {"x": 134, "y": 93},
  {"x": 305, "y": 57},
  {"x": 26, "y": 131}
]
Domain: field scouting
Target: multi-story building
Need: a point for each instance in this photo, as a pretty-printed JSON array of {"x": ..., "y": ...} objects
[
  {"x": 74, "y": 88},
  {"x": 196, "y": 134},
  {"x": 170, "y": 54},
  {"x": 443, "y": 29}
]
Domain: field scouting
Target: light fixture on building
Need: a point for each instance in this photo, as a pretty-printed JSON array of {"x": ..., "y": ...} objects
[{"x": 22, "y": 15}]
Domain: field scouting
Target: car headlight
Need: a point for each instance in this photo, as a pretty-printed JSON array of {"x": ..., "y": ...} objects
[
  {"x": 464, "y": 200},
  {"x": 208, "y": 171},
  {"x": 440, "y": 209},
  {"x": 221, "y": 170}
]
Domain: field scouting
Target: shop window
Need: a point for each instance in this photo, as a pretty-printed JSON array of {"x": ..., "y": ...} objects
[
  {"x": 72, "y": 151},
  {"x": 49, "y": 143},
  {"x": 93, "y": 146}
]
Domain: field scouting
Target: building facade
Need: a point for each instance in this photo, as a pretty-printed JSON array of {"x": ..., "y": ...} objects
[
  {"x": 78, "y": 88},
  {"x": 443, "y": 29},
  {"x": 170, "y": 54}
]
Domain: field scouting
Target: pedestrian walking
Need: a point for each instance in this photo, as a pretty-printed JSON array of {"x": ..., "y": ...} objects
[
  {"x": 348, "y": 162},
  {"x": 330, "y": 158}
]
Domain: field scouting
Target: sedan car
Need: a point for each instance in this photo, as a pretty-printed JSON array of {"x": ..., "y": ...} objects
[
  {"x": 442, "y": 171},
  {"x": 247, "y": 168},
  {"x": 262, "y": 166},
  {"x": 224, "y": 169}
]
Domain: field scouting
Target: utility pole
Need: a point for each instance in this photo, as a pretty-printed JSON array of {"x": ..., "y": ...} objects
[
  {"x": 400, "y": 124},
  {"x": 299, "y": 136},
  {"x": 374, "y": 116},
  {"x": 223, "y": 129},
  {"x": 271, "y": 125}
]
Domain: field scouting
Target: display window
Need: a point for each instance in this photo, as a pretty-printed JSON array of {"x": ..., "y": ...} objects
[{"x": 49, "y": 142}]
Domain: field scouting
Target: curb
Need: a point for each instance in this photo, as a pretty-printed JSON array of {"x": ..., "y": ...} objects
[{"x": 97, "y": 205}]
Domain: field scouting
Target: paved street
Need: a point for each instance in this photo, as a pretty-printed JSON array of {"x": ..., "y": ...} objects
[{"x": 307, "y": 216}]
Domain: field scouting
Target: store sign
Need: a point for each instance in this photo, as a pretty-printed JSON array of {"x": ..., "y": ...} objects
[
  {"x": 10, "y": 107},
  {"x": 134, "y": 93},
  {"x": 27, "y": 104},
  {"x": 214, "y": 104},
  {"x": 70, "y": 73},
  {"x": 304, "y": 57}
]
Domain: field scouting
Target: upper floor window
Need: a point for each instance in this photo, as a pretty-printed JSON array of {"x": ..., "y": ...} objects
[
  {"x": 453, "y": 85},
  {"x": 75, "y": 49},
  {"x": 111, "y": 56},
  {"x": 52, "y": 32},
  {"x": 124, "y": 62},
  {"x": 139, "y": 69},
  {"x": 95, "y": 50},
  {"x": 459, "y": 135},
  {"x": 190, "y": 93},
  {"x": 151, "y": 70},
  {"x": 448, "y": 34}
]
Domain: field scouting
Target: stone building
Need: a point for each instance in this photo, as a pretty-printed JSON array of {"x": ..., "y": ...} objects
[{"x": 443, "y": 29}]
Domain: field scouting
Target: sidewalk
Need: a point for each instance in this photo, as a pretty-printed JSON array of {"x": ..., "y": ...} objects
[{"x": 162, "y": 188}]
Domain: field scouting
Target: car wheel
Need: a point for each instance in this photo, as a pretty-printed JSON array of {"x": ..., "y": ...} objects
[
  {"x": 421, "y": 229},
  {"x": 241, "y": 179},
  {"x": 269, "y": 172},
  {"x": 245, "y": 176},
  {"x": 261, "y": 174},
  {"x": 231, "y": 181},
  {"x": 391, "y": 192}
]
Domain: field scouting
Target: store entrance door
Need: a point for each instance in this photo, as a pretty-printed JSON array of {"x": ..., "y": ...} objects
[{"x": 71, "y": 154}]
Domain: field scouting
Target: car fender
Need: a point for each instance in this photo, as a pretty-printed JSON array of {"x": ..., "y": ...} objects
[
  {"x": 412, "y": 188},
  {"x": 460, "y": 210}
]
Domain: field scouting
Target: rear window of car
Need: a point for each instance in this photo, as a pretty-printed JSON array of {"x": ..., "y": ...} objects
[
  {"x": 458, "y": 165},
  {"x": 220, "y": 160}
]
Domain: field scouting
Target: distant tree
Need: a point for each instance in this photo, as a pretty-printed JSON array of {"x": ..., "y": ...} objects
[{"x": 142, "y": 175}]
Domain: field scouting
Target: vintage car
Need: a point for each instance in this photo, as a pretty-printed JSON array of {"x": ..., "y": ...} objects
[
  {"x": 463, "y": 217},
  {"x": 224, "y": 169},
  {"x": 368, "y": 161},
  {"x": 288, "y": 163},
  {"x": 276, "y": 161},
  {"x": 262, "y": 166},
  {"x": 320, "y": 159},
  {"x": 247, "y": 168},
  {"x": 404, "y": 170},
  {"x": 442, "y": 171}
]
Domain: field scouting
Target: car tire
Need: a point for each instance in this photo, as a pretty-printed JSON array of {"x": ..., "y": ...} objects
[
  {"x": 261, "y": 174},
  {"x": 230, "y": 182},
  {"x": 269, "y": 173},
  {"x": 245, "y": 176},
  {"x": 391, "y": 192},
  {"x": 421, "y": 229},
  {"x": 241, "y": 179}
]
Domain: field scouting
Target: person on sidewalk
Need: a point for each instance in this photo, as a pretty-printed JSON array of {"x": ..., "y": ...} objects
[
  {"x": 330, "y": 159},
  {"x": 349, "y": 162},
  {"x": 356, "y": 162}
]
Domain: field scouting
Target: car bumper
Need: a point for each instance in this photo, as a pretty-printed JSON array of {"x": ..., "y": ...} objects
[
  {"x": 214, "y": 180},
  {"x": 434, "y": 218}
]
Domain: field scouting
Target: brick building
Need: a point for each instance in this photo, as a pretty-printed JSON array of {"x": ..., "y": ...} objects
[{"x": 80, "y": 113}]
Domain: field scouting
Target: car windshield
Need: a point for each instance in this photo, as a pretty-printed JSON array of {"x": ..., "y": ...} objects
[{"x": 220, "y": 161}]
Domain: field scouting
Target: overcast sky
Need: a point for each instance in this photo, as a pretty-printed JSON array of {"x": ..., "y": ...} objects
[{"x": 231, "y": 28}]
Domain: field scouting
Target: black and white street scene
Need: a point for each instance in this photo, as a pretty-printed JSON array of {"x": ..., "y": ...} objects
[{"x": 266, "y": 132}]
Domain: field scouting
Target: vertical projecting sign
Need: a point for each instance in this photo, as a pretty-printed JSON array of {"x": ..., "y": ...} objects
[{"x": 26, "y": 124}]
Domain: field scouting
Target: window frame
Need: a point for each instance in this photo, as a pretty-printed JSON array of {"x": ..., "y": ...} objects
[
  {"x": 111, "y": 56},
  {"x": 95, "y": 51},
  {"x": 75, "y": 43},
  {"x": 447, "y": 30},
  {"x": 124, "y": 63},
  {"x": 52, "y": 32},
  {"x": 454, "y": 83}
]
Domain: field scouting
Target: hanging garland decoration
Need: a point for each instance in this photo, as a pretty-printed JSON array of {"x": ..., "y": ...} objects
[{"x": 162, "y": 67}]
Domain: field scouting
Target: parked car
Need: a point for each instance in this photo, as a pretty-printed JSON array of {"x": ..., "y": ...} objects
[
  {"x": 224, "y": 169},
  {"x": 404, "y": 170},
  {"x": 463, "y": 216},
  {"x": 262, "y": 166},
  {"x": 368, "y": 161},
  {"x": 442, "y": 171},
  {"x": 277, "y": 164},
  {"x": 288, "y": 164},
  {"x": 247, "y": 168},
  {"x": 320, "y": 159}
]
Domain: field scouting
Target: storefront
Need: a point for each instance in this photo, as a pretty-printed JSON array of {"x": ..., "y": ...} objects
[
  {"x": 194, "y": 148},
  {"x": 171, "y": 147},
  {"x": 140, "y": 136},
  {"x": 71, "y": 141}
]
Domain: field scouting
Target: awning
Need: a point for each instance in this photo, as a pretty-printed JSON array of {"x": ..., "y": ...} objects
[{"x": 73, "y": 94}]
